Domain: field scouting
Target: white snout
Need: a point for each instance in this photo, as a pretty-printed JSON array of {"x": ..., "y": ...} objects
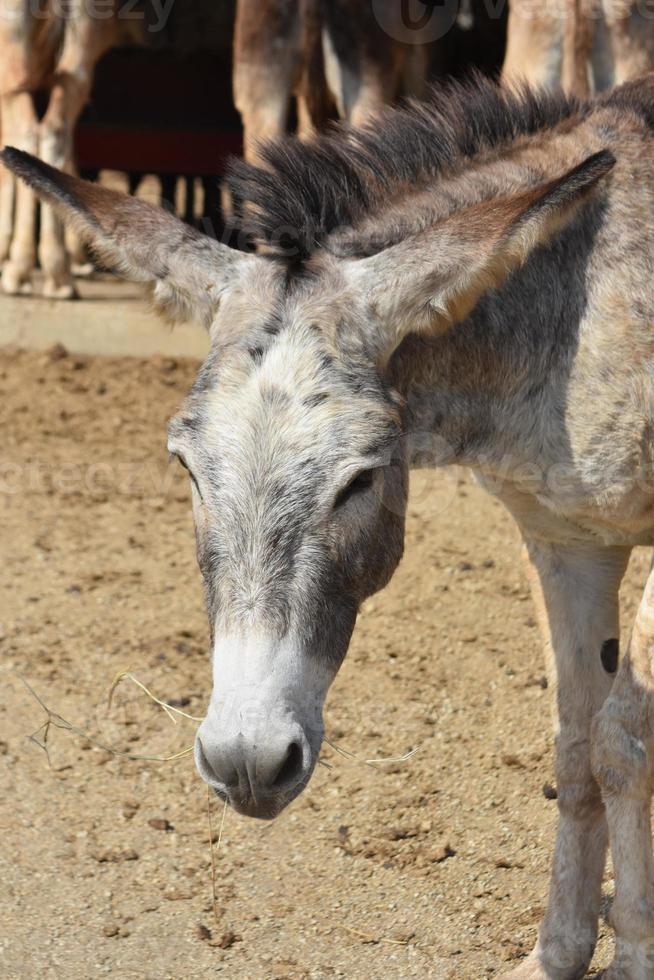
[{"x": 259, "y": 742}]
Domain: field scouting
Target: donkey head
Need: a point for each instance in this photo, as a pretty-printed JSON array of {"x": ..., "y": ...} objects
[
  {"x": 295, "y": 439},
  {"x": 293, "y": 444}
]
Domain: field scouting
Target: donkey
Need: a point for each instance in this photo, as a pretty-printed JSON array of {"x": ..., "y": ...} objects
[
  {"x": 580, "y": 44},
  {"x": 54, "y": 47},
  {"x": 466, "y": 282},
  {"x": 345, "y": 57}
]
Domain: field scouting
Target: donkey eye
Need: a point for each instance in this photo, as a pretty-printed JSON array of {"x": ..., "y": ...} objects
[
  {"x": 185, "y": 465},
  {"x": 362, "y": 481},
  {"x": 180, "y": 459}
]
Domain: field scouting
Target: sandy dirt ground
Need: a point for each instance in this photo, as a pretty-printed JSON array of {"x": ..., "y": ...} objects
[{"x": 434, "y": 868}]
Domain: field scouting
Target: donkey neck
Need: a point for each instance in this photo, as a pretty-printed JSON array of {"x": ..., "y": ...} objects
[{"x": 495, "y": 386}]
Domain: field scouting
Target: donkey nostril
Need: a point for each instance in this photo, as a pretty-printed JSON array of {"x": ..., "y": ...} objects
[
  {"x": 202, "y": 757},
  {"x": 225, "y": 774},
  {"x": 290, "y": 768}
]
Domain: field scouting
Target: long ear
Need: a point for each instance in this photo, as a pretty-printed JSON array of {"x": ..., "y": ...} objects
[
  {"x": 434, "y": 279},
  {"x": 186, "y": 270}
]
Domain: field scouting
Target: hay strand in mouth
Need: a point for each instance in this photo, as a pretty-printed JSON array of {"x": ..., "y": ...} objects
[
  {"x": 55, "y": 720},
  {"x": 170, "y": 710},
  {"x": 213, "y": 852},
  {"x": 390, "y": 761},
  {"x": 373, "y": 763}
]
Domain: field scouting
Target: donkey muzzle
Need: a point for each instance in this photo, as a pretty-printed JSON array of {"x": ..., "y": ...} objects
[
  {"x": 259, "y": 772},
  {"x": 260, "y": 740}
]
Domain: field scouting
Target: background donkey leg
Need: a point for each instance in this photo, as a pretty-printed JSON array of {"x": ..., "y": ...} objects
[
  {"x": 623, "y": 763},
  {"x": 315, "y": 104},
  {"x": 86, "y": 40},
  {"x": 631, "y": 32},
  {"x": 364, "y": 67},
  {"x": 19, "y": 129},
  {"x": 534, "y": 50},
  {"x": 267, "y": 62},
  {"x": 7, "y": 203},
  {"x": 576, "y": 594},
  {"x": 56, "y": 149}
]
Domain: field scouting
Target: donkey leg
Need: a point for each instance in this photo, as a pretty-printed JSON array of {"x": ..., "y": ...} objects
[
  {"x": 81, "y": 264},
  {"x": 267, "y": 62},
  {"x": 369, "y": 102},
  {"x": 19, "y": 129},
  {"x": 534, "y": 45},
  {"x": 623, "y": 763},
  {"x": 576, "y": 594},
  {"x": 57, "y": 245},
  {"x": 361, "y": 94},
  {"x": 7, "y": 203},
  {"x": 264, "y": 109},
  {"x": 55, "y": 138},
  {"x": 86, "y": 40},
  {"x": 416, "y": 71},
  {"x": 631, "y": 35}
]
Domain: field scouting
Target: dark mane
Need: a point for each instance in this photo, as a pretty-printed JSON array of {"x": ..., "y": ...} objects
[{"x": 307, "y": 190}]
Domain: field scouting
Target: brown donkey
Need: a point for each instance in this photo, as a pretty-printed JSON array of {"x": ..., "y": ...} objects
[
  {"x": 579, "y": 44},
  {"x": 469, "y": 281}
]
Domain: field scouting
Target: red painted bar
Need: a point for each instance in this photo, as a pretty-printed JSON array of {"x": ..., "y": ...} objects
[{"x": 197, "y": 153}]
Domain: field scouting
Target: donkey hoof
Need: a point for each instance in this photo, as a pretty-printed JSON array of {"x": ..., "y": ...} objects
[
  {"x": 529, "y": 969},
  {"x": 633, "y": 959},
  {"x": 82, "y": 270},
  {"x": 16, "y": 280},
  {"x": 624, "y": 969},
  {"x": 533, "y": 968},
  {"x": 54, "y": 290}
]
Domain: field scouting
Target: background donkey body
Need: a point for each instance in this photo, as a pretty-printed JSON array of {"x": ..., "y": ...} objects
[{"x": 474, "y": 288}]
